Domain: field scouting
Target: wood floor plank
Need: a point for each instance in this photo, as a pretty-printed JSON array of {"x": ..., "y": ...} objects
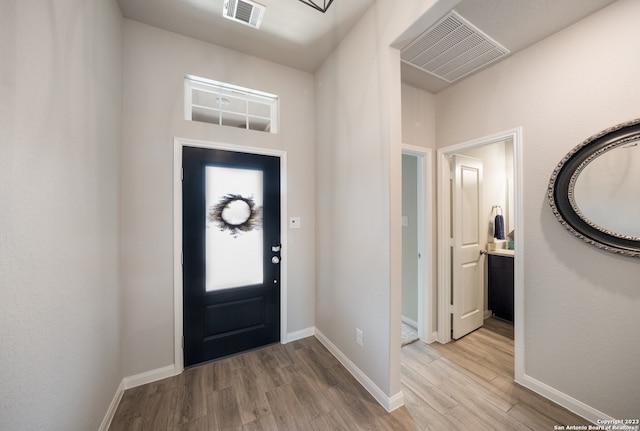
[
  {"x": 463, "y": 385},
  {"x": 432, "y": 375},
  {"x": 482, "y": 410},
  {"x": 330, "y": 421},
  {"x": 400, "y": 420},
  {"x": 499, "y": 326},
  {"x": 470, "y": 386},
  {"x": 159, "y": 407},
  {"x": 315, "y": 403},
  {"x": 425, "y": 417},
  {"x": 265, "y": 423},
  {"x": 199, "y": 424},
  {"x": 540, "y": 404},
  {"x": 487, "y": 347},
  {"x": 494, "y": 340},
  {"x": 523, "y": 414},
  {"x": 250, "y": 393},
  {"x": 431, "y": 394},
  {"x": 462, "y": 419},
  {"x": 191, "y": 395},
  {"x": 468, "y": 360},
  {"x": 225, "y": 414},
  {"x": 130, "y": 411},
  {"x": 287, "y": 411}
]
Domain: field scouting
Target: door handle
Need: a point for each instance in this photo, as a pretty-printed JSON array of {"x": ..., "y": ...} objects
[{"x": 483, "y": 252}]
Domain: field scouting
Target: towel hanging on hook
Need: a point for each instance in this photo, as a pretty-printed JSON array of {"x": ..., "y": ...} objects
[{"x": 498, "y": 223}]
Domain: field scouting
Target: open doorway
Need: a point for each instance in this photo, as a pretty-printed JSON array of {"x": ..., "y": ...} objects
[
  {"x": 501, "y": 157},
  {"x": 418, "y": 300}
]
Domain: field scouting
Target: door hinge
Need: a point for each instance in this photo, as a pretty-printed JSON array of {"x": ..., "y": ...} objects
[
  {"x": 182, "y": 259},
  {"x": 183, "y": 342},
  {"x": 181, "y": 174},
  {"x": 451, "y": 308}
]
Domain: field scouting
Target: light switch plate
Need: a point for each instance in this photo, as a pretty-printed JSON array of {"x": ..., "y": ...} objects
[{"x": 294, "y": 223}]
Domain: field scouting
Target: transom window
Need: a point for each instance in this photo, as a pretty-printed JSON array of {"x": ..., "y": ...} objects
[{"x": 224, "y": 104}]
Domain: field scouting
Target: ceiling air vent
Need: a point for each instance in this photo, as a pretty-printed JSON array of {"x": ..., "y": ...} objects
[
  {"x": 452, "y": 49},
  {"x": 244, "y": 11}
]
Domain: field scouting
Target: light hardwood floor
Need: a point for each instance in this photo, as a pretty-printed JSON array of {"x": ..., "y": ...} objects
[{"x": 465, "y": 385}]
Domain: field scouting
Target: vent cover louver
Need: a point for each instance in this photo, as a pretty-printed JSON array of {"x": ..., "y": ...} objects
[
  {"x": 244, "y": 11},
  {"x": 452, "y": 49}
]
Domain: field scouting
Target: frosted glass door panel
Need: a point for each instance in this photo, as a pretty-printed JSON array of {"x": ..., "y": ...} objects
[{"x": 234, "y": 235}]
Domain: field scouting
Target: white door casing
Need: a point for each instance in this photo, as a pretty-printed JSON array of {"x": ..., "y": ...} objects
[
  {"x": 444, "y": 241},
  {"x": 427, "y": 314},
  {"x": 177, "y": 235},
  {"x": 467, "y": 274}
]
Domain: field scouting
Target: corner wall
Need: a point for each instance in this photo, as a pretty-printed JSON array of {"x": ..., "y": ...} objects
[
  {"x": 60, "y": 130},
  {"x": 581, "y": 304},
  {"x": 358, "y": 195}
]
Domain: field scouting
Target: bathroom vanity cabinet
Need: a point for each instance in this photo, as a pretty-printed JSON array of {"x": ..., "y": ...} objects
[{"x": 500, "y": 285}]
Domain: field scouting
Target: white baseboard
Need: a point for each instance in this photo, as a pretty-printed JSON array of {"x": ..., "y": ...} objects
[
  {"x": 150, "y": 376},
  {"x": 431, "y": 338},
  {"x": 566, "y": 401},
  {"x": 132, "y": 382},
  {"x": 389, "y": 403},
  {"x": 409, "y": 322},
  {"x": 488, "y": 313},
  {"x": 111, "y": 411},
  {"x": 395, "y": 402},
  {"x": 299, "y": 335}
]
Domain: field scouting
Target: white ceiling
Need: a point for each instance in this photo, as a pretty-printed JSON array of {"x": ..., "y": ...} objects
[
  {"x": 296, "y": 35},
  {"x": 292, "y": 33}
]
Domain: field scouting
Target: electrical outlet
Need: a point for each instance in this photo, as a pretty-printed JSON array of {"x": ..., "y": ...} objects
[{"x": 359, "y": 336}]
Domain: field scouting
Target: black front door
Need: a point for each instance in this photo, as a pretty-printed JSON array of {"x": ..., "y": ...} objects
[{"x": 231, "y": 252}]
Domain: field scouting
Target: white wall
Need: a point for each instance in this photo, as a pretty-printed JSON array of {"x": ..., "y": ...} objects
[
  {"x": 581, "y": 304},
  {"x": 155, "y": 63},
  {"x": 494, "y": 184},
  {"x": 60, "y": 125},
  {"x": 358, "y": 193},
  {"x": 418, "y": 117}
]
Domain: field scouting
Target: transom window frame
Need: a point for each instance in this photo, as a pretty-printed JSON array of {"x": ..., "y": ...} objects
[{"x": 253, "y": 116}]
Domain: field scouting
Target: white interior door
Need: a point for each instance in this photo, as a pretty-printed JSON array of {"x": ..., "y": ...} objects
[{"x": 467, "y": 270}]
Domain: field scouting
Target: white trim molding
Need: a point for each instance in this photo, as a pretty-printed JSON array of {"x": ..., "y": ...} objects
[
  {"x": 132, "y": 382},
  {"x": 150, "y": 376},
  {"x": 566, "y": 401},
  {"x": 299, "y": 335},
  {"x": 409, "y": 322},
  {"x": 178, "y": 143},
  {"x": 426, "y": 216},
  {"x": 111, "y": 411},
  {"x": 389, "y": 403},
  {"x": 444, "y": 241}
]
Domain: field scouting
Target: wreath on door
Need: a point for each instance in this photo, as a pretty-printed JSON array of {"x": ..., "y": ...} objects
[{"x": 236, "y": 214}]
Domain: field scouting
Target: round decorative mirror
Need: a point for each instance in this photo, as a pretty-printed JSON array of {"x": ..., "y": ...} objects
[{"x": 595, "y": 190}]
